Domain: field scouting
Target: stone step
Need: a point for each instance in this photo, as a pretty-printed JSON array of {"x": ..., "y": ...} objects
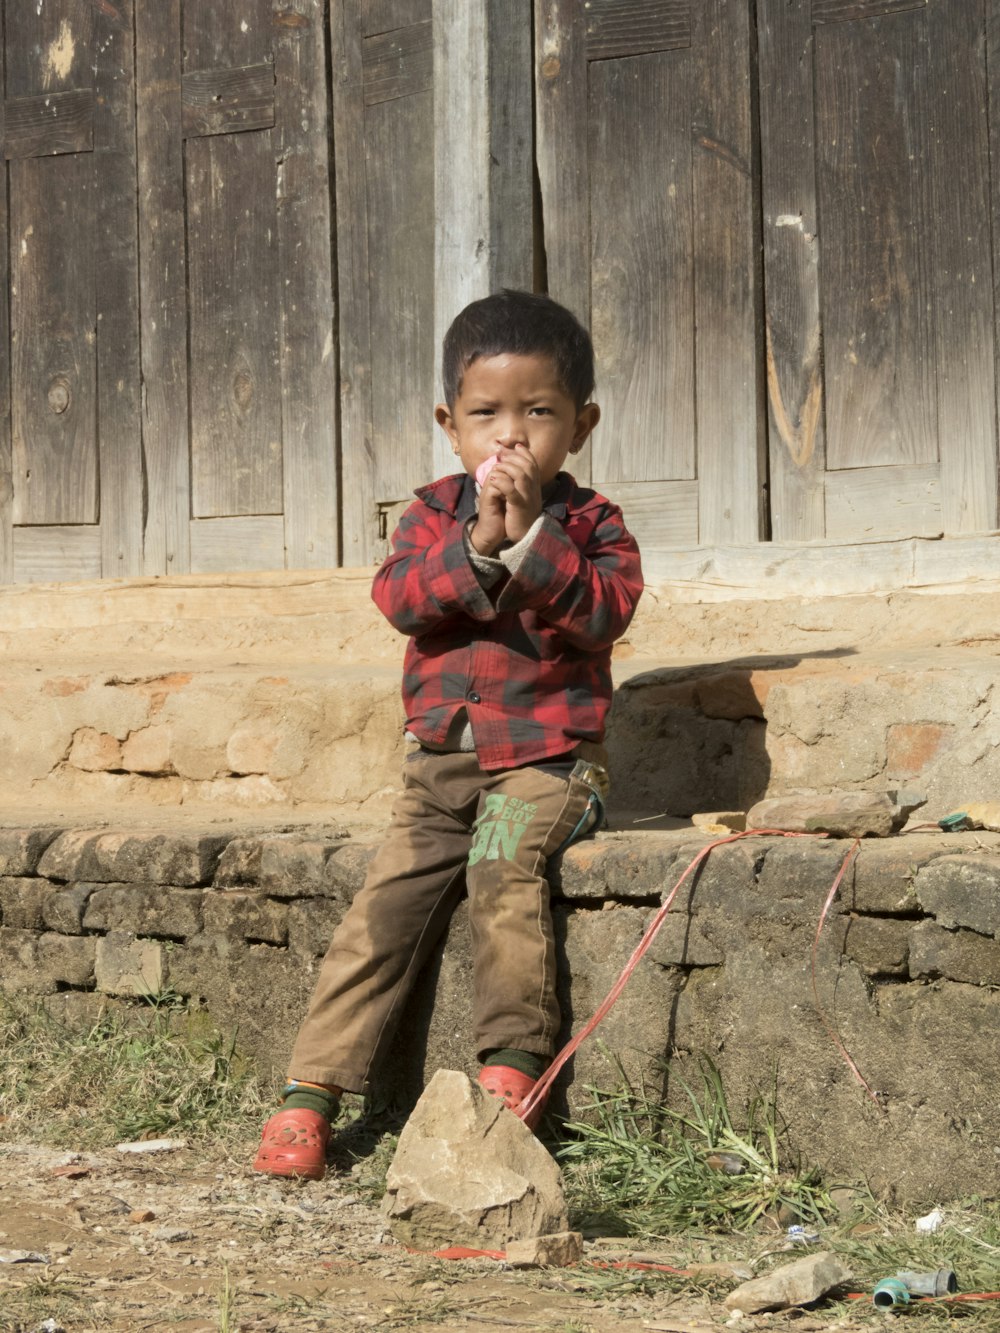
[
  {"x": 685, "y": 736},
  {"x": 279, "y": 692}
]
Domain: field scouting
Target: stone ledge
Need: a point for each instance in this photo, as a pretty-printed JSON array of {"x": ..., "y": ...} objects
[{"x": 237, "y": 919}]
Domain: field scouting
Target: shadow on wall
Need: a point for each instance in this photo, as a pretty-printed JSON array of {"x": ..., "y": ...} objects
[{"x": 683, "y": 740}]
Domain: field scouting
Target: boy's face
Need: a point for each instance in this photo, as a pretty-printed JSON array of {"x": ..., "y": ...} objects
[{"x": 511, "y": 401}]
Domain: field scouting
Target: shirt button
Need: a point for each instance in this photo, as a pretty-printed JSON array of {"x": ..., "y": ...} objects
[{"x": 474, "y": 697}]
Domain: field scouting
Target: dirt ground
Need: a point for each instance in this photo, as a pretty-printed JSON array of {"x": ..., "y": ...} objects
[{"x": 223, "y": 1249}]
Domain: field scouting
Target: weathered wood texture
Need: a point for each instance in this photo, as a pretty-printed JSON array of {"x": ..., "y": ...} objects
[
  {"x": 163, "y": 287},
  {"x": 876, "y": 178},
  {"x": 6, "y": 462},
  {"x": 187, "y": 382},
  {"x": 384, "y": 117},
  {"x": 235, "y": 383},
  {"x": 49, "y": 123},
  {"x": 483, "y": 223},
  {"x": 52, "y": 210},
  {"x": 792, "y": 343},
  {"x": 116, "y": 275},
  {"x": 646, "y": 158},
  {"x": 432, "y": 109},
  {"x": 222, "y": 544},
  {"x": 308, "y": 350}
]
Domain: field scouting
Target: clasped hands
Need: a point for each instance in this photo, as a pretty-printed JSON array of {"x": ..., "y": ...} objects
[{"x": 509, "y": 502}]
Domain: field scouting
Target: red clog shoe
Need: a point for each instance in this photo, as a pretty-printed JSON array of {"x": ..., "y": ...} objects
[
  {"x": 512, "y": 1087},
  {"x": 294, "y": 1144}
]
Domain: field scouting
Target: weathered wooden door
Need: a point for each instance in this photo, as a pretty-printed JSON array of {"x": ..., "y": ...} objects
[
  {"x": 171, "y": 355},
  {"x": 876, "y": 123},
  {"x": 645, "y": 154},
  {"x": 70, "y": 458},
  {"x": 239, "y": 359}
]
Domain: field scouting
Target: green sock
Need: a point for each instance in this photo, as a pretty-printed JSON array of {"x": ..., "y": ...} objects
[
  {"x": 297, "y": 1098},
  {"x": 525, "y": 1062}
]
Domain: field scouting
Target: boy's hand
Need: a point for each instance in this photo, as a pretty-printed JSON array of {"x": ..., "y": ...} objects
[
  {"x": 515, "y": 479},
  {"x": 488, "y": 532}
]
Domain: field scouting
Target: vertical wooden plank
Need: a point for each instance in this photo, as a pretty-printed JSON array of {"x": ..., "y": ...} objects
[
  {"x": 561, "y": 150},
  {"x": 399, "y": 142},
  {"x": 731, "y": 433},
  {"x": 483, "y": 164},
  {"x": 6, "y": 462},
  {"x": 357, "y": 465},
  {"x": 958, "y": 154},
  {"x": 163, "y": 287},
  {"x": 234, "y": 375},
  {"x": 992, "y": 24},
  {"x": 235, "y": 384},
  {"x": 509, "y": 153},
  {"x": 793, "y": 342},
  {"x": 118, "y": 373},
  {"x": 872, "y": 111},
  {"x": 308, "y": 351},
  {"x": 642, "y": 267},
  {"x": 53, "y": 324}
]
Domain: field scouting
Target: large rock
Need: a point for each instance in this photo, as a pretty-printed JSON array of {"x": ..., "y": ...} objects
[
  {"x": 468, "y": 1172},
  {"x": 844, "y": 814},
  {"x": 798, "y": 1283}
]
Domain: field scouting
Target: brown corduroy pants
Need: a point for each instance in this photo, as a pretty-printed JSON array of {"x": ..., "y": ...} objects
[{"x": 455, "y": 827}]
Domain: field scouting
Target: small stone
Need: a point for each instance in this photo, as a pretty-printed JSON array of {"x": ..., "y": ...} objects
[
  {"x": 556, "y": 1251},
  {"x": 798, "y": 1283},
  {"x": 172, "y": 1234},
  {"x": 138, "y": 1215}
]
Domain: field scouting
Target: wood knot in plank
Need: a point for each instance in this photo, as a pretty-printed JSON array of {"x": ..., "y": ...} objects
[{"x": 59, "y": 394}]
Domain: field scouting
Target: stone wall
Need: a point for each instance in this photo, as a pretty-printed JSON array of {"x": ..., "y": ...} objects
[{"x": 907, "y": 970}]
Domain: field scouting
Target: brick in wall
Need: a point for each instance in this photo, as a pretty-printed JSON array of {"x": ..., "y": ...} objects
[
  {"x": 125, "y": 965},
  {"x": 158, "y": 858},
  {"x": 22, "y": 902},
  {"x": 959, "y": 955},
  {"x": 21, "y": 849},
  {"x": 244, "y": 915},
  {"x": 144, "y": 909},
  {"x": 962, "y": 891}
]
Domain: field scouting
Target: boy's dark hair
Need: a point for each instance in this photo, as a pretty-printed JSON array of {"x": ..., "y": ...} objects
[{"x": 524, "y": 324}]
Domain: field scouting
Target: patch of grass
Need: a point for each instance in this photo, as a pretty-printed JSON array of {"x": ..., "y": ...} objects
[
  {"x": 636, "y": 1167},
  {"x": 115, "y": 1080},
  {"x": 50, "y": 1296},
  {"x": 967, "y": 1241}
]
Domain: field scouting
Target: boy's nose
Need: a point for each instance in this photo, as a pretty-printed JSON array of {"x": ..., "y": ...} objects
[{"x": 510, "y": 433}]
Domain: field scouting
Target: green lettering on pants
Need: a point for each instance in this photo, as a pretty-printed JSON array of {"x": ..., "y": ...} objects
[{"x": 499, "y": 828}]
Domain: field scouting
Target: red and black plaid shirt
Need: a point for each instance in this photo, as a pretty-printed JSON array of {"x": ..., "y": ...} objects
[{"x": 530, "y": 659}]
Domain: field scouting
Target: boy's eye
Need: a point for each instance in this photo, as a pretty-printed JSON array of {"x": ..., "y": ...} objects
[{"x": 541, "y": 411}]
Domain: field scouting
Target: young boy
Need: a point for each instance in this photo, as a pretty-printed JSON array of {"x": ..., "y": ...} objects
[{"x": 512, "y": 584}]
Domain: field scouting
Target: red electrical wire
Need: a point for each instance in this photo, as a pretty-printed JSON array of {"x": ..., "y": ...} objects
[
  {"x": 832, "y": 1032},
  {"x": 604, "y": 1008}
]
